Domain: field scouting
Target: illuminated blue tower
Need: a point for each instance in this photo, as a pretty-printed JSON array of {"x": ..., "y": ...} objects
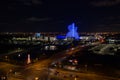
[{"x": 72, "y": 32}]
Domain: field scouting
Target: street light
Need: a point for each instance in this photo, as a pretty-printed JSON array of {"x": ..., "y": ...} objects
[
  {"x": 36, "y": 78},
  {"x": 75, "y": 78}
]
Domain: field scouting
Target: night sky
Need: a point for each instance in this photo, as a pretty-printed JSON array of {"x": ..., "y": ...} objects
[{"x": 56, "y": 15}]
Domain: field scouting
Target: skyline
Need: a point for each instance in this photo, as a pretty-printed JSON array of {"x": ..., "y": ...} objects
[{"x": 55, "y": 16}]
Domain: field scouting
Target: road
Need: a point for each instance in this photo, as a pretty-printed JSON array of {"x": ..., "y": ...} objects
[
  {"x": 29, "y": 72},
  {"x": 82, "y": 76},
  {"x": 40, "y": 69},
  {"x": 12, "y": 52}
]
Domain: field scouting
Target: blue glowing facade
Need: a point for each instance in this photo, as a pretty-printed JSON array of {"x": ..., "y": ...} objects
[
  {"x": 72, "y": 32},
  {"x": 60, "y": 37},
  {"x": 37, "y": 35}
]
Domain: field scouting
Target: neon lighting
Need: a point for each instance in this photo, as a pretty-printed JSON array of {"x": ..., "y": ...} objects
[
  {"x": 72, "y": 31},
  {"x": 60, "y": 37}
]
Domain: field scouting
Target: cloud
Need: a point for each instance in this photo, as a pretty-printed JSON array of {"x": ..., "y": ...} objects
[
  {"x": 100, "y": 3},
  {"x": 107, "y": 27},
  {"x": 37, "y": 2},
  {"x": 117, "y": 25},
  {"x": 38, "y": 19},
  {"x": 31, "y": 2},
  {"x": 114, "y": 25},
  {"x": 108, "y": 23},
  {"x": 113, "y": 17}
]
